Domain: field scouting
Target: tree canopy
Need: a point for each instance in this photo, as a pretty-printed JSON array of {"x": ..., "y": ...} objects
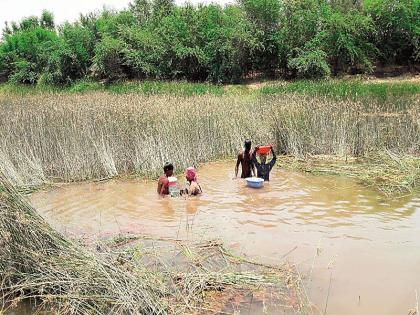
[{"x": 157, "y": 39}]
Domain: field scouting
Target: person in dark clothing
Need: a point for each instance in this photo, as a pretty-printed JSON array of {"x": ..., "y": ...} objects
[
  {"x": 245, "y": 159},
  {"x": 263, "y": 168}
]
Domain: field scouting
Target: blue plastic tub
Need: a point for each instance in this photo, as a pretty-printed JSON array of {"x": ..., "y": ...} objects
[{"x": 254, "y": 182}]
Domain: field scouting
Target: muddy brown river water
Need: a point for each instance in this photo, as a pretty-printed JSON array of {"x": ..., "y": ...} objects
[{"x": 346, "y": 239}]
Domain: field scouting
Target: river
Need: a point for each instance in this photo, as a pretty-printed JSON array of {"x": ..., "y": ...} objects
[{"x": 357, "y": 250}]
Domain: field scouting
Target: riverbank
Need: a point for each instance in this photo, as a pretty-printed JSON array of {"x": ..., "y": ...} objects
[{"x": 348, "y": 87}]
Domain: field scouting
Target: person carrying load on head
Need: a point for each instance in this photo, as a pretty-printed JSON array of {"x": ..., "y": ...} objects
[
  {"x": 192, "y": 187},
  {"x": 163, "y": 183},
  {"x": 245, "y": 159},
  {"x": 263, "y": 168}
]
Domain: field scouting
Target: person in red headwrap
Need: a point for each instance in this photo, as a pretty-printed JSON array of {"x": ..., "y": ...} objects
[{"x": 192, "y": 187}]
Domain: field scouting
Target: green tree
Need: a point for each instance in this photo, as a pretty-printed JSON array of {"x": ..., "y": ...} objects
[
  {"x": 157, "y": 39},
  {"x": 142, "y": 11},
  {"x": 397, "y": 25},
  {"x": 24, "y": 54},
  {"x": 346, "y": 40},
  {"x": 300, "y": 26},
  {"x": 108, "y": 62},
  {"x": 309, "y": 62},
  {"x": 264, "y": 16},
  {"x": 227, "y": 42},
  {"x": 162, "y": 8},
  {"x": 144, "y": 53},
  {"x": 72, "y": 58},
  {"x": 47, "y": 20},
  {"x": 184, "y": 46},
  {"x": 28, "y": 23}
]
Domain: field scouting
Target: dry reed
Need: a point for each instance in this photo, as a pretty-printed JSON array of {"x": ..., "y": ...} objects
[
  {"x": 37, "y": 262},
  {"x": 101, "y": 135},
  {"x": 389, "y": 172}
]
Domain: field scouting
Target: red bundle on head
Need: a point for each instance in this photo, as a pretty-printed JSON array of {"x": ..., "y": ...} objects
[{"x": 264, "y": 149}]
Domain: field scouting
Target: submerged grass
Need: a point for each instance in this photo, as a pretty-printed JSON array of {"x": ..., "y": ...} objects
[
  {"x": 389, "y": 172},
  {"x": 125, "y": 276}
]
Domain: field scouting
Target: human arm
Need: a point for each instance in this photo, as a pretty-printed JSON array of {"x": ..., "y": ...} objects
[
  {"x": 159, "y": 186},
  {"x": 255, "y": 163},
  {"x": 274, "y": 159},
  {"x": 194, "y": 189},
  {"x": 238, "y": 161},
  {"x": 254, "y": 173},
  {"x": 164, "y": 186},
  {"x": 256, "y": 166}
]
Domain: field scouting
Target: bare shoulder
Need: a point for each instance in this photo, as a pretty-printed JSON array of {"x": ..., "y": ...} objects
[
  {"x": 163, "y": 179},
  {"x": 194, "y": 189}
]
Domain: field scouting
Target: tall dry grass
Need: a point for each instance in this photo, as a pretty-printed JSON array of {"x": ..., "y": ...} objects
[
  {"x": 97, "y": 135},
  {"x": 36, "y": 262}
]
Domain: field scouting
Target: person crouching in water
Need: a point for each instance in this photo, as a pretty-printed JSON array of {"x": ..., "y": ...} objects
[
  {"x": 192, "y": 187},
  {"x": 263, "y": 169},
  {"x": 163, "y": 183}
]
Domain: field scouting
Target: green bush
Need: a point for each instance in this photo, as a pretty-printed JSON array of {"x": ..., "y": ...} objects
[
  {"x": 310, "y": 63},
  {"x": 345, "y": 38},
  {"x": 397, "y": 29},
  {"x": 108, "y": 62},
  {"x": 26, "y": 53}
]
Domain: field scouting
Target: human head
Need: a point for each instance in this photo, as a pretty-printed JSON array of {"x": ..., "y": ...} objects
[
  {"x": 247, "y": 145},
  {"x": 263, "y": 159},
  {"x": 168, "y": 169},
  {"x": 191, "y": 174}
]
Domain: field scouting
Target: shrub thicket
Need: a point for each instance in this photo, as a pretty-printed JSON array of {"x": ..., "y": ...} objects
[{"x": 157, "y": 39}]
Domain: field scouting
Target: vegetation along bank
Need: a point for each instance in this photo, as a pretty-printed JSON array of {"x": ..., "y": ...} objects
[{"x": 220, "y": 44}]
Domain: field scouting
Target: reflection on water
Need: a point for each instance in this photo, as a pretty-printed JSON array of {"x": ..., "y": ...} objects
[{"x": 365, "y": 243}]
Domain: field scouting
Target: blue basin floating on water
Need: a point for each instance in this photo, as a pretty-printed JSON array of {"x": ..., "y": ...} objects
[{"x": 254, "y": 182}]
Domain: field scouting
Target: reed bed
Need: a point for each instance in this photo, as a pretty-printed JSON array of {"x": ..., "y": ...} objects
[
  {"x": 386, "y": 171},
  {"x": 123, "y": 277},
  {"x": 98, "y": 135}
]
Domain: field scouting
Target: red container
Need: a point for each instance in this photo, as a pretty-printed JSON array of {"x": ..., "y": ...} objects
[{"x": 264, "y": 149}]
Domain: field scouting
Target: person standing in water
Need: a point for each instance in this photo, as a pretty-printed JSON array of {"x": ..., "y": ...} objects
[
  {"x": 245, "y": 159},
  {"x": 163, "y": 183},
  {"x": 263, "y": 169},
  {"x": 192, "y": 188}
]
